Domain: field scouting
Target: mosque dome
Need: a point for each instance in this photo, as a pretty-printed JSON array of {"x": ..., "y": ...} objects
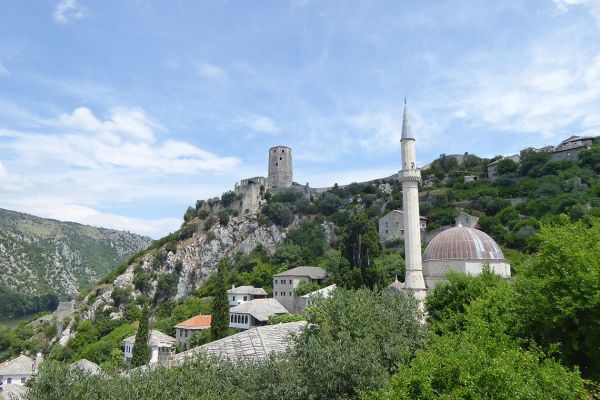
[
  {"x": 396, "y": 286},
  {"x": 462, "y": 243}
]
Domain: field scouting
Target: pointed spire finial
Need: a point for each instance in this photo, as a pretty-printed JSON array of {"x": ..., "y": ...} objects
[{"x": 406, "y": 129}]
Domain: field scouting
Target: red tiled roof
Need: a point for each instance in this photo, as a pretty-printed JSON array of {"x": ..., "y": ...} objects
[{"x": 199, "y": 321}]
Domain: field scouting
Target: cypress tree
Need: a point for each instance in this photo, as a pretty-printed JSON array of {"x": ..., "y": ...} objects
[
  {"x": 141, "y": 349},
  {"x": 220, "y": 307}
]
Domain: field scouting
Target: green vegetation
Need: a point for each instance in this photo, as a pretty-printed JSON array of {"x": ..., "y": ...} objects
[
  {"x": 15, "y": 303},
  {"x": 220, "y": 311},
  {"x": 141, "y": 349}
]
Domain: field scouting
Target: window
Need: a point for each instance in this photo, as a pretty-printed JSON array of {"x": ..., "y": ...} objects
[
  {"x": 9, "y": 380},
  {"x": 290, "y": 293},
  {"x": 275, "y": 293},
  {"x": 283, "y": 151},
  {"x": 280, "y": 158},
  {"x": 402, "y": 231},
  {"x": 386, "y": 231},
  {"x": 276, "y": 281},
  {"x": 290, "y": 281},
  {"x": 245, "y": 298},
  {"x": 233, "y": 298},
  {"x": 276, "y": 164},
  {"x": 23, "y": 380}
]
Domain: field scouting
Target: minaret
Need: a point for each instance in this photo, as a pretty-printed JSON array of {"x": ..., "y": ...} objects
[{"x": 410, "y": 177}]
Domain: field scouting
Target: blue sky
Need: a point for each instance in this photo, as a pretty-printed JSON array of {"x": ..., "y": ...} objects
[{"x": 123, "y": 113}]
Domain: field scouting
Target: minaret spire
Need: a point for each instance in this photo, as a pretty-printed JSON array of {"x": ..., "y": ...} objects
[{"x": 410, "y": 176}]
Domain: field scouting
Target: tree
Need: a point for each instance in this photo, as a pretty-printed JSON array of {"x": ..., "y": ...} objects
[
  {"x": 354, "y": 340},
  {"x": 141, "y": 349},
  {"x": 507, "y": 166},
  {"x": 480, "y": 364},
  {"x": 220, "y": 306},
  {"x": 591, "y": 157},
  {"x": 361, "y": 245}
]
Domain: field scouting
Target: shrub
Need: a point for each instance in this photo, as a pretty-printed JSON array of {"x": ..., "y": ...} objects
[{"x": 279, "y": 213}]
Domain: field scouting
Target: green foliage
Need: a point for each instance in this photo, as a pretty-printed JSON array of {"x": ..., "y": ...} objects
[
  {"x": 360, "y": 246},
  {"x": 305, "y": 287},
  {"x": 168, "y": 317},
  {"x": 228, "y": 198},
  {"x": 329, "y": 204},
  {"x": 480, "y": 364},
  {"x": 166, "y": 288},
  {"x": 279, "y": 213},
  {"x": 224, "y": 217},
  {"x": 201, "y": 337},
  {"x": 141, "y": 281},
  {"x": 121, "y": 296},
  {"x": 220, "y": 311},
  {"x": 284, "y": 318},
  {"x": 591, "y": 158},
  {"x": 13, "y": 303},
  {"x": 354, "y": 340},
  {"x": 507, "y": 166},
  {"x": 141, "y": 350},
  {"x": 310, "y": 237}
]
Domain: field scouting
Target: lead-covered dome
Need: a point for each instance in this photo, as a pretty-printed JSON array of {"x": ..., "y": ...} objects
[{"x": 461, "y": 243}]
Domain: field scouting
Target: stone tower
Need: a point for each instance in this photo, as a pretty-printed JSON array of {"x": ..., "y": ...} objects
[
  {"x": 410, "y": 177},
  {"x": 280, "y": 167}
]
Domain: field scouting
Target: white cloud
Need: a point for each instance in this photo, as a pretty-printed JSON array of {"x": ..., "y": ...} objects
[
  {"x": 68, "y": 10},
  {"x": 593, "y": 6},
  {"x": 127, "y": 139},
  {"x": 3, "y": 69},
  {"x": 211, "y": 71},
  {"x": 10, "y": 182},
  {"x": 259, "y": 123}
]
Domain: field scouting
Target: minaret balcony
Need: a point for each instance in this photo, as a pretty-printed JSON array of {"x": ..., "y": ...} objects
[{"x": 409, "y": 175}]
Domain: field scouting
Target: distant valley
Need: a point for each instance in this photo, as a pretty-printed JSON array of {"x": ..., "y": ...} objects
[{"x": 41, "y": 256}]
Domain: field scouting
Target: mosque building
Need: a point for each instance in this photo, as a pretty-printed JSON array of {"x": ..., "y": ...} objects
[{"x": 461, "y": 249}]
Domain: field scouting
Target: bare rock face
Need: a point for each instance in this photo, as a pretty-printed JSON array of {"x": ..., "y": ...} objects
[{"x": 196, "y": 258}]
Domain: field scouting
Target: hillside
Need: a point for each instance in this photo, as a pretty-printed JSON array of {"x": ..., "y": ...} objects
[{"x": 41, "y": 256}]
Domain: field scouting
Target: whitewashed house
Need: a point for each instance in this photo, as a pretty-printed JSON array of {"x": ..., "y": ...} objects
[
  {"x": 162, "y": 348},
  {"x": 285, "y": 283},
  {"x": 19, "y": 370},
  {"x": 242, "y": 294},
  {"x": 184, "y": 330},
  {"x": 254, "y": 313},
  {"x": 308, "y": 299}
]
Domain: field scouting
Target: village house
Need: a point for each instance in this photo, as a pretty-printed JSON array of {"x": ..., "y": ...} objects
[
  {"x": 242, "y": 294},
  {"x": 391, "y": 225},
  {"x": 19, "y": 370},
  {"x": 285, "y": 283},
  {"x": 308, "y": 299},
  {"x": 162, "y": 348},
  {"x": 184, "y": 330},
  {"x": 254, "y": 313}
]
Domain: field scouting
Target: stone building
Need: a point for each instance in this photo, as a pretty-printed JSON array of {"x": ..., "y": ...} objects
[
  {"x": 19, "y": 370},
  {"x": 466, "y": 220},
  {"x": 570, "y": 148},
  {"x": 184, "y": 330},
  {"x": 254, "y": 313},
  {"x": 162, "y": 348},
  {"x": 285, "y": 284},
  {"x": 391, "y": 225},
  {"x": 242, "y": 294},
  {"x": 280, "y": 168}
]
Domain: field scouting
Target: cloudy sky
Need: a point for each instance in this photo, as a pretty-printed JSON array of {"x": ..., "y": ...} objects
[{"x": 123, "y": 113}]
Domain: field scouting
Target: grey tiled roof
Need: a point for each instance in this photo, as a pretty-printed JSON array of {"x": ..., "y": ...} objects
[
  {"x": 21, "y": 365},
  {"x": 248, "y": 290},
  {"x": 86, "y": 365},
  {"x": 261, "y": 309},
  {"x": 13, "y": 392},
  {"x": 311, "y": 272},
  {"x": 251, "y": 345},
  {"x": 156, "y": 338}
]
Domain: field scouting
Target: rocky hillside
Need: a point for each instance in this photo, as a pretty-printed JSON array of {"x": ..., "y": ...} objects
[
  {"x": 40, "y": 256},
  {"x": 177, "y": 265}
]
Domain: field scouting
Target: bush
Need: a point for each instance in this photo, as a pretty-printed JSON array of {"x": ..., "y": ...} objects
[
  {"x": 166, "y": 288},
  {"x": 224, "y": 217},
  {"x": 284, "y": 318},
  {"x": 121, "y": 296},
  {"x": 279, "y": 213},
  {"x": 141, "y": 281},
  {"x": 329, "y": 204},
  {"x": 228, "y": 198}
]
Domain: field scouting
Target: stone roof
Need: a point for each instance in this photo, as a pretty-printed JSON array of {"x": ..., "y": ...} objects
[
  {"x": 86, "y": 366},
  {"x": 396, "y": 286},
  {"x": 13, "y": 392},
  {"x": 251, "y": 345},
  {"x": 462, "y": 243},
  {"x": 21, "y": 365},
  {"x": 157, "y": 338},
  {"x": 323, "y": 292},
  {"x": 251, "y": 290},
  {"x": 261, "y": 309},
  {"x": 311, "y": 272},
  {"x": 199, "y": 321}
]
